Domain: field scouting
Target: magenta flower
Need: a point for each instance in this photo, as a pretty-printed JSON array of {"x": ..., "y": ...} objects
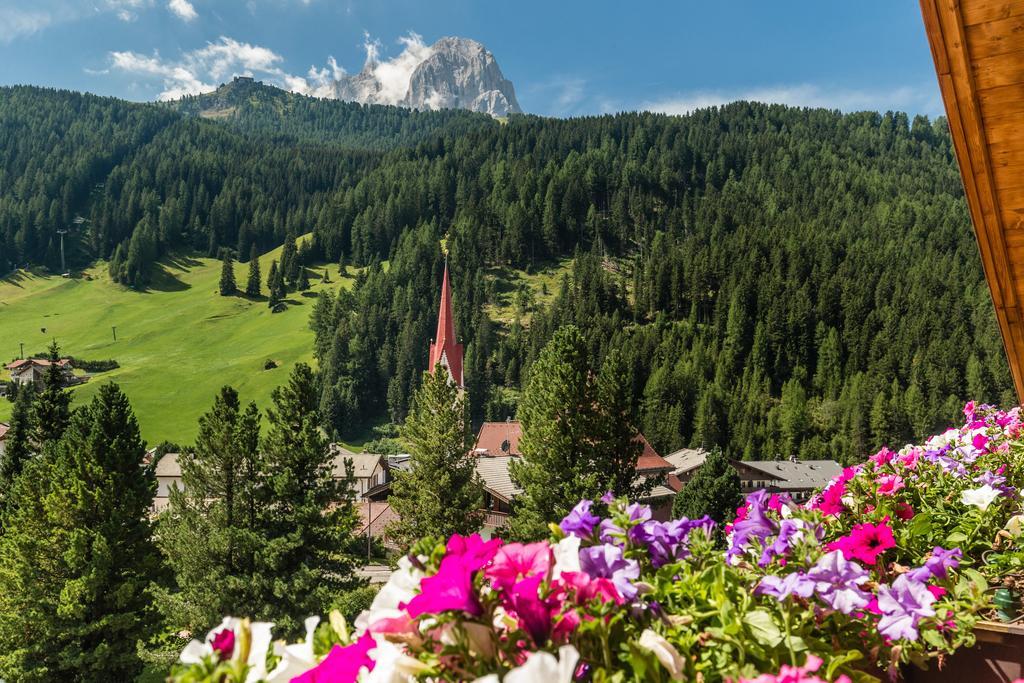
[
  {"x": 342, "y": 664},
  {"x": 865, "y": 542},
  {"x": 535, "y": 615},
  {"x": 580, "y": 521},
  {"x": 473, "y": 550},
  {"x": 831, "y": 500},
  {"x": 882, "y": 457},
  {"x": 903, "y": 605},
  {"x": 516, "y": 561},
  {"x": 223, "y": 643},
  {"x": 796, "y": 674}
]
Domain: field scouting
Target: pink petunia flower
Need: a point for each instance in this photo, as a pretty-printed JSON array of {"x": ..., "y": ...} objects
[
  {"x": 865, "y": 542},
  {"x": 342, "y": 664},
  {"x": 889, "y": 484},
  {"x": 516, "y": 561}
]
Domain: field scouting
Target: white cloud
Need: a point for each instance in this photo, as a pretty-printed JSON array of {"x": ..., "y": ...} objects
[
  {"x": 394, "y": 74},
  {"x": 127, "y": 10},
  {"x": 565, "y": 94},
  {"x": 182, "y": 8},
  {"x": 198, "y": 71},
  {"x": 914, "y": 99},
  {"x": 15, "y": 22}
]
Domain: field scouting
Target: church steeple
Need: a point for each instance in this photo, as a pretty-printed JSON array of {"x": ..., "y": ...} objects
[{"x": 445, "y": 349}]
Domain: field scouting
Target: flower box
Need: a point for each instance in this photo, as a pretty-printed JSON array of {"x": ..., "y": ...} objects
[{"x": 998, "y": 657}]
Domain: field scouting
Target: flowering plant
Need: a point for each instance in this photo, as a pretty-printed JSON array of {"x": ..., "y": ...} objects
[{"x": 889, "y": 564}]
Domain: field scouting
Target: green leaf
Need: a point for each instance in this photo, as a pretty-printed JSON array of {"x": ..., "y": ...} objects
[
  {"x": 841, "y": 660},
  {"x": 955, "y": 538},
  {"x": 763, "y": 628}
]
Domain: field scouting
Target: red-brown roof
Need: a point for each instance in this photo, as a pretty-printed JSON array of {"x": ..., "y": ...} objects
[
  {"x": 649, "y": 459},
  {"x": 492, "y": 435},
  {"x": 41, "y": 362},
  {"x": 445, "y": 346},
  {"x": 4, "y": 427}
]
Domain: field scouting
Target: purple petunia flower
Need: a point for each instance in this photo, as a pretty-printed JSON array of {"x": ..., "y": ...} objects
[
  {"x": 580, "y": 521},
  {"x": 837, "y": 582},
  {"x": 796, "y": 583},
  {"x": 756, "y": 525},
  {"x": 607, "y": 562},
  {"x": 610, "y": 532},
  {"x": 937, "y": 565},
  {"x": 991, "y": 478},
  {"x": 665, "y": 541},
  {"x": 638, "y": 513},
  {"x": 903, "y": 605}
]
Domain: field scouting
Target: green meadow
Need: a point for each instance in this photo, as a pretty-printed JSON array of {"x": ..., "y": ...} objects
[{"x": 177, "y": 342}]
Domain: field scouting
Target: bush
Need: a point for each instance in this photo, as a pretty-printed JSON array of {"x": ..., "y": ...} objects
[{"x": 352, "y": 603}]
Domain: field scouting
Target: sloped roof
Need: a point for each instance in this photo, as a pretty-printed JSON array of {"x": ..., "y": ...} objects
[
  {"x": 686, "y": 459},
  {"x": 649, "y": 459},
  {"x": 41, "y": 362},
  {"x": 495, "y": 475},
  {"x": 492, "y": 435},
  {"x": 798, "y": 474},
  {"x": 363, "y": 464},
  {"x": 168, "y": 466},
  {"x": 445, "y": 346}
]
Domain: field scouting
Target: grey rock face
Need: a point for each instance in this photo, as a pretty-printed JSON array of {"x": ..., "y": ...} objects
[{"x": 456, "y": 73}]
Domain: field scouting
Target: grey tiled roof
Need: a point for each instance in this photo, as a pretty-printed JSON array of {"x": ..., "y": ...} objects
[
  {"x": 496, "y": 477},
  {"x": 798, "y": 474},
  {"x": 686, "y": 459}
]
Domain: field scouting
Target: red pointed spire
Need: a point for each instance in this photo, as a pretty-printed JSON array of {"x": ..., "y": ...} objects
[{"x": 445, "y": 349}]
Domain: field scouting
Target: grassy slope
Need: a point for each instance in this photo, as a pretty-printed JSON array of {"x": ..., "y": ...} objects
[{"x": 177, "y": 343}]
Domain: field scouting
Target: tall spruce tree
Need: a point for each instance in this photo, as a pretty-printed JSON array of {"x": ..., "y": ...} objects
[
  {"x": 77, "y": 557},
  {"x": 252, "y": 285},
  {"x": 307, "y": 516},
  {"x": 227, "y": 274},
  {"x": 289, "y": 260},
  {"x": 617, "y": 444},
  {"x": 53, "y": 406},
  {"x": 572, "y": 446},
  {"x": 18, "y": 447},
  {"x": 209, "y": 532},
  {"x": 441, "y": 494},
  {"x": 713, "y": 491}
]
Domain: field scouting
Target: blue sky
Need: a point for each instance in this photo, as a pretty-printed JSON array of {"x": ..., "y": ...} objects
[{"x": 565, "y": 57}]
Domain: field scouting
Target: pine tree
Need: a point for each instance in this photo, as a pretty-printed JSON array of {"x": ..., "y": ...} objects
[
  {"x": 252, "y": 286},
  {"x": 564, "y": 457},
  {"x": 77, "y": 558},
  {"x": 289, "y": 260},
  {"x": 209, "y": 532},
  {"x": 441, "y": 494},
  {"x": 227, "y": 274},
  {"x": 617, "y": 443},
  {"x": 713, "y": 491},
  {"x": 303, "y": 283},
  {"x": 307, "y": 517},
  {"x": 273, "y": 285},
  {"x": 18, "y": 447},
  {"x": 53, "y": 406}
]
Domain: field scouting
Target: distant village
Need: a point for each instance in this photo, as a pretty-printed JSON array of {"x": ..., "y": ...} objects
[{"x": 497, "y": 445}]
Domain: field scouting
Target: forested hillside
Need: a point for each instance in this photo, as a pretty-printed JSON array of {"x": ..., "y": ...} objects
[
  {"x": 785, "y": 281},
  {"x": 258, "y": 108},
  {"x": 779, "y": 280}
]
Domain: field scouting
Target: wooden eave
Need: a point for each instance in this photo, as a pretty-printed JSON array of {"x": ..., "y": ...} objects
[{"x": 978, "y": 48}]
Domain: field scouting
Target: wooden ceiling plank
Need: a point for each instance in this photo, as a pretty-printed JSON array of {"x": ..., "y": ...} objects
[
  {"x": 981, "y": 11},
  {"x": 995, "y": 38},
  {"x": 961, "y": 79}
]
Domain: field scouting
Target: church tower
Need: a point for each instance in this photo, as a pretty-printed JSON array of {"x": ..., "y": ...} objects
[{"x": 445, "y": 349}]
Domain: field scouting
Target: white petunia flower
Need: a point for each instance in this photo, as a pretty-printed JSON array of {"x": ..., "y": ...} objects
[
  {"x": 567, "y": 555},
  {"x": 664, "y": 652},
  {"x": 980, "y": 497},
  {"x": 402, "y": 586},
  {"x": 296, "y": 659},
  {"x": 542, "y": 666},
  {"x": 259, "y": 642},
  {"x": 392, "y": 664}
]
